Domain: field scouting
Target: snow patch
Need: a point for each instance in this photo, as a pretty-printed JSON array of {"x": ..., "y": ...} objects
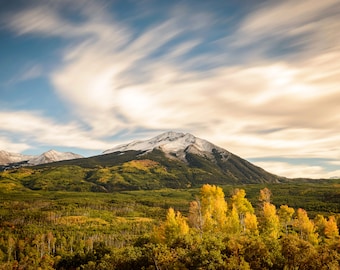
[{"x": 173, "y": 143}]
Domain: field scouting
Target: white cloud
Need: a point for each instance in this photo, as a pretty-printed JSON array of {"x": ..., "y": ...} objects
[
  {"x": 306, "y": 20},
  {"x": 10, "y": 146},
  {"x": 43, "y": 130},
  {"x": 297, "y": 171}
]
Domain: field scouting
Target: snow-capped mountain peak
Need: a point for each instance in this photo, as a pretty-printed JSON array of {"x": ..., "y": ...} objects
[
  {"x": 173, "y": 143},
  {"x": 9, "y": 157},
  {"x": 52, "y": 156}
]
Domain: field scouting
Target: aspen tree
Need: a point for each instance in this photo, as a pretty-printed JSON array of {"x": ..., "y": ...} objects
[
  {"x": 233, "y": 221},
  {"x": 331, "y": 228},
  {"x": 208, "y": 212},
  {"x": 251, "y": 225},
  {"x": 242, "y": 205},
  {"x": 306, "y": 227},
  {"x": 174, "y": 228},
  {"x": 265, "y": 195},
  {"x": 214, "y": 207},
  {"x": 270, "y": 223},
  {"x": 285, "y": 215}
]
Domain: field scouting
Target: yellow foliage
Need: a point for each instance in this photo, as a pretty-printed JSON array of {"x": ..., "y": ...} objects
[
  {"x": 270, "y": 221},
  {"x": 173, "y": 228},
  {"x": 285, "y": 215},
  {"x": 265, "y": 195},
  {"x": 144, "y": 164},
  {"x": 81, "y": 220},
  {"x": 213, "y": 207},
  {"x": 6, "y": 187},
  {"x": 241, "y": 203},
  {"x": 233, "y": 225},
  {"x": 250, "y": 223},
  {"x": 331, "y": 228},
  {"x": 306, "y": 227}
]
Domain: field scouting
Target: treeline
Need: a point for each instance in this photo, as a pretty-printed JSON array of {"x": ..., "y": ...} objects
[{"x": 217, "y": 233}]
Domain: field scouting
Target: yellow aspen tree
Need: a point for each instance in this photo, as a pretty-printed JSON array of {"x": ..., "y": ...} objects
[
  {"x": 269, "y": 222},
  {"x": 285, "y": 215},
  {"x": 265, "y": 195},
  {"x": 241, "y": 204},
  {"x": 320, "y": 224},
  {"x": 251, "y": 225},
  {"x": 331, "y": 228},
  {"x": 233, "y": 222},
  {"x": 213, "y": 207},
  {"x": 306, "y": 227},
  {"x": 174, "y": 228}
]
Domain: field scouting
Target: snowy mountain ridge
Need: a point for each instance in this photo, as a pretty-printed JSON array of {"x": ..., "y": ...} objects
[
  {"x": 7, "y": 158},
  {"x": 52, "y": 156},
  {"x": 174, "y": 143}
]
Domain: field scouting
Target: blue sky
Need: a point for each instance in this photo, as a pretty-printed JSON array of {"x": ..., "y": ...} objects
[{"x": 258, "y": 78}]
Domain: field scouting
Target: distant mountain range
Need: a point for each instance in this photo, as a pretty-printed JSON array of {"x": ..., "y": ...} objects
[
  {"x": 174, "y": 160},
  {"x": 10, "y": 160}
]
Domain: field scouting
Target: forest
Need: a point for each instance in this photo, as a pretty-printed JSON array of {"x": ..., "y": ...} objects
[{"x": 263, "y": 226}]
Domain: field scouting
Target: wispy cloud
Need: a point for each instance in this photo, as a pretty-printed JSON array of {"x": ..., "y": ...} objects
[
  {"x": 11, "y": 146},
  {"x": 298, "y": 171},
  {"x": 44, "y": 131}
]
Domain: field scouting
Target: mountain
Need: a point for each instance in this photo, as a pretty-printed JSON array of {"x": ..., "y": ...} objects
[
  {"x": 189, "y": 160},
  {"x": 8, "y": 157},
  {"x": 13, "y": 160},
  {"x": 176, "y": 145},
  {"x": 170, "y": 160},
  {"x": 53, "y": 156}
]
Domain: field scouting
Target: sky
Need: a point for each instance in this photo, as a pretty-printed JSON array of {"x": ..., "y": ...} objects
[{"x": 258, "y": 78}]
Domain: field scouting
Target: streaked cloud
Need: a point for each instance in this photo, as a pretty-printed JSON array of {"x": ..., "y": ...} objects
[
  {"x": 298, "y": 171},
  {"x": 41, "y": 130}
]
